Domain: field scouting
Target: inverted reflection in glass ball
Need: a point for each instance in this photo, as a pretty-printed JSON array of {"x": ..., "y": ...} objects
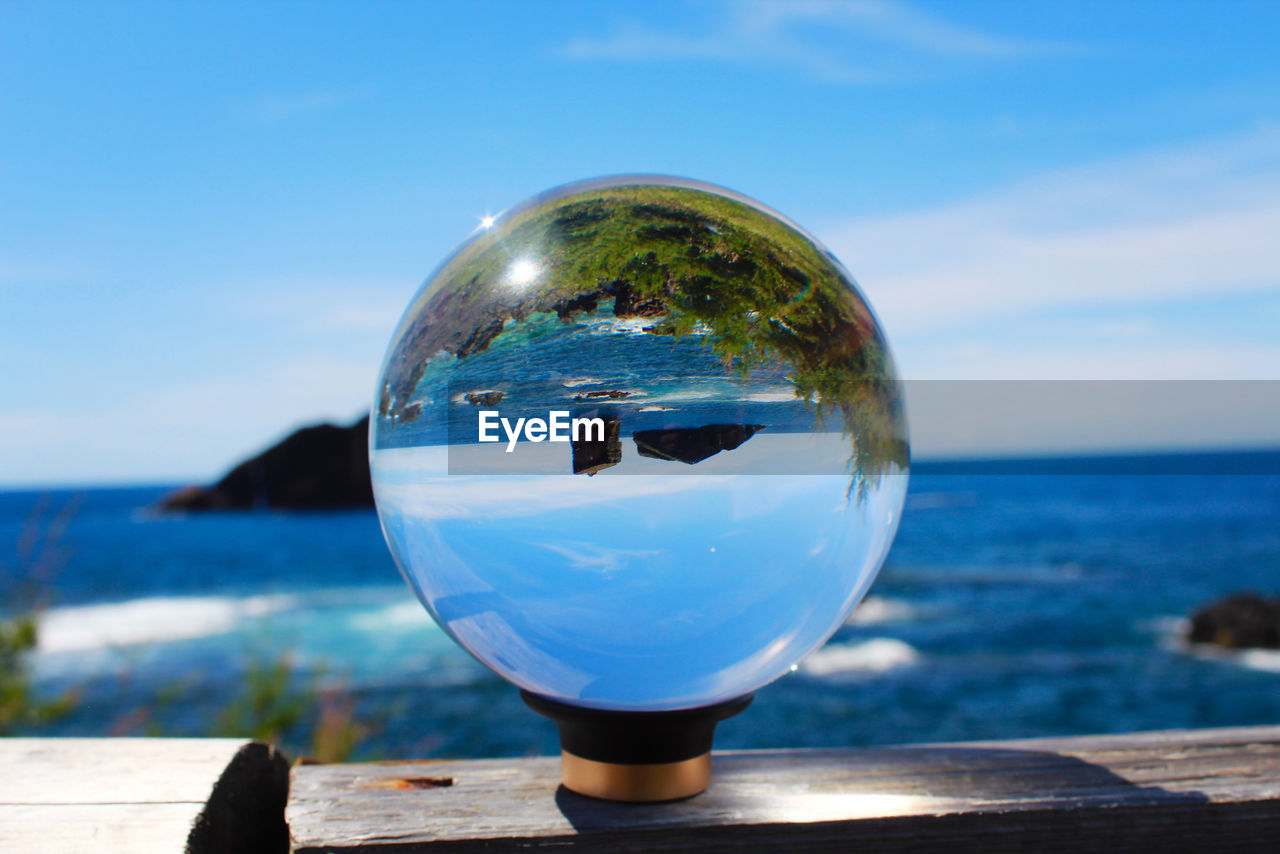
[{"x": 712, "y": 457}]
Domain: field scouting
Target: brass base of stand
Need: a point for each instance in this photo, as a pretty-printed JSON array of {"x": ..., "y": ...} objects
[{"x": 666, "y": 781}]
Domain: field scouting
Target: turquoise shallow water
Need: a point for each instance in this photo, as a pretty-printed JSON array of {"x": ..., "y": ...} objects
[{"x": 1010, "y": 605}]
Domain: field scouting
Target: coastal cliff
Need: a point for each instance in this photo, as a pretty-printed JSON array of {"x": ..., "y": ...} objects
[{"x": 322, "y": 467}]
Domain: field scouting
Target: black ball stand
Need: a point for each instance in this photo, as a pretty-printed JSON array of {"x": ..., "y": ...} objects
[{"x": 635, "y": 756}]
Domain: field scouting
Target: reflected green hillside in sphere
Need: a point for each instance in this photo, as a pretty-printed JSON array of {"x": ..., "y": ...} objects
[{"x": 745, "y": 474}]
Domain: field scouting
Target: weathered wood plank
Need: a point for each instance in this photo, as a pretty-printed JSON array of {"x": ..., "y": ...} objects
[
  {"x": 141, "y": 795},
  {"x": 93, "y": 770},
  {"x": 1174, "y": 791},
  {"x": 142, "y": 828}
]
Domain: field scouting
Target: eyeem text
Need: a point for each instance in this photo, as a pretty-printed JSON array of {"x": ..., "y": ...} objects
[{"x": 556, "y": 427}]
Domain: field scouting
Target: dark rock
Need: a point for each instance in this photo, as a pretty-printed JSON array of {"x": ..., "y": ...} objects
[
  {"x": 1239, "y": 621},
  {"x": 693, "y": 444},
  {"x": 324, "y": 467},
  {"x": 483, "y": 398},
  {"x": 612, "y": 394},
  {"x": 626, "y": 303},
  {"x": 479, "y": 340},
  {"x": 592, "y": 456},
  {"x": 585, "y": 302}
]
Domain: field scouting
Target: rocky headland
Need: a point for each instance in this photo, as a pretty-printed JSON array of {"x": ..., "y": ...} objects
[{"x": 322, "y": 467}]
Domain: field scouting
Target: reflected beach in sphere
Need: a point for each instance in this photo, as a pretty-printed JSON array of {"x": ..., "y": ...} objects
[{"x": 740, "y": 469}]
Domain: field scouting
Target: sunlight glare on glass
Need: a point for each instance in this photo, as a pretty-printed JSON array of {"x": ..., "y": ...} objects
[{"x": 522, "y": 271}]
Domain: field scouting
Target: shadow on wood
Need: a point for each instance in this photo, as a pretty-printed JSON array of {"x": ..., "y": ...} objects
[
  {"x": 888, "y": 781},
  {"x": 1209, "y": 790},
  {"x": 142, "y": 796},
  {"x": 245, "y": 811}
]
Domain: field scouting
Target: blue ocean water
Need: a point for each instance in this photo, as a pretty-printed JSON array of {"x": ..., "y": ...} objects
[{"x": 1010, "y": 605}]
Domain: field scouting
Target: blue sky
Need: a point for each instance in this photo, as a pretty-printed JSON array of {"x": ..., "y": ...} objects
[{"x": 212, "y": 215}]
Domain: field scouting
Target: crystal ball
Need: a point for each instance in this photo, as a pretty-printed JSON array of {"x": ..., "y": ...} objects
[{"x": 638, "y": 444}]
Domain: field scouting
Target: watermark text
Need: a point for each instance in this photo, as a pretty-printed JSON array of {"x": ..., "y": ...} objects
[{"x": 556, "y": 427}]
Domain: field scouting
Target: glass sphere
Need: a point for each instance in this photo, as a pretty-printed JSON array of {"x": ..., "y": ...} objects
[{"x": 725, "y": 472}]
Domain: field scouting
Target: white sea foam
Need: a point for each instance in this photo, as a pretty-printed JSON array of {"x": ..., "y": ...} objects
[
  {"x": 688, "y": 394},
  {"x": 776, "y": 395},
  {"x": 878, "y": 655},
  {"x": 461, "y": 397},
  {"x": 1170, "y": 629},
  {"x": 406, "y": 615},
  {"x": 782, "y": 396},
  {"x": 160, "y": 619},
  {"x": 877, "y": 609},
  {"x": 581, "y": 381},
  {"x": 585, "y": 396},
  {"x": 623, "y": 326},
  {"x": 1267, "y": 660},
  {"x": 1261, "y": 659}
]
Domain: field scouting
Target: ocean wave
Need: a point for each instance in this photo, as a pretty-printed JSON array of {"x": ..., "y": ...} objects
[
  {"x": 461, "y": 397},
  {"x": 1265, "y": 660},
  {"x": 878, "y": 655},
  {"x": 877, "y": 609},
  {"x": 624, "y": 326},
  {"x": 1261, "y": 659},
  {"x": 782, "y": 396},
  {"x": 407, "y": 615},
  {"x": 684, "y": 395},
  {"x": 601, "y": 395},
  {"x": 160, "y": 619},
  {"x": 1171, "y": 629}
]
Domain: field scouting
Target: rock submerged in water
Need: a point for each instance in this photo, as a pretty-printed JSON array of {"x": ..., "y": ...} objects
[
  {"x": 323, "y": 467},
  {"x": 1239, "y": 621},
  {"x": 480, "y": 398}
]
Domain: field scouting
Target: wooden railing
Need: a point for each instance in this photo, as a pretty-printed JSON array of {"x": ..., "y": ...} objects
[{"x": 1202, "y": 790}]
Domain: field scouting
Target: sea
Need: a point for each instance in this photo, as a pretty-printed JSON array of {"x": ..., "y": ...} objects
[{"x": 1015, "y": 602}]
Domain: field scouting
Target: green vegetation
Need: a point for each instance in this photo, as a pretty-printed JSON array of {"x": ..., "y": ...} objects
[
  {"x": 39, "y": 556},
  {"x": 763, "y": 294},
  {"x": 19, "y": 708},
  {"x": 278, "y": 706},
  {"x": 275, "y": 704}
]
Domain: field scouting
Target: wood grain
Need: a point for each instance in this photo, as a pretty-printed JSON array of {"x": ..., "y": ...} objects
[
  {"x": 141, "y": 795},
  {"x": 1207, "y": 790}
]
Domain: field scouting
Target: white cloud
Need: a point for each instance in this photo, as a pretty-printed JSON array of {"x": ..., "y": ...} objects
[
  {"x": 1126, "y": 327},
  {"x": 796, "y": 34},
  {"x": 889, "y": 20},
  {"x": 329, "y": 335},
  {"x": 594, "y": 558},
  {"x": 1197, "y": 222}
]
